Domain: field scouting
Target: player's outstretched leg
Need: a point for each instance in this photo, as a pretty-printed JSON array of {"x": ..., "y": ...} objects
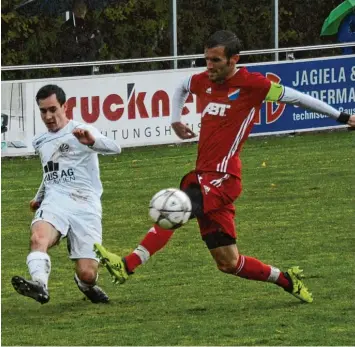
[
  {"x": 230, "y": 261},
  {"x": 93, "y": 292},
  {"x": 32, "y": 289},
  {"x": 291, "y": 281},
  {"x": 120, "y": 268}
]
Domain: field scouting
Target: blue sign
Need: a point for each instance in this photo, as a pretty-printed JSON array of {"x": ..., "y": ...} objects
[{"x": 331, "y": 80}]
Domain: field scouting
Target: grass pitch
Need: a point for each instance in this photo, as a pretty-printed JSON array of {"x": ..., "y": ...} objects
[{"x": 297, "y": 208}]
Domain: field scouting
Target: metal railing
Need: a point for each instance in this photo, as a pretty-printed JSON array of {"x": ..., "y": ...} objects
[{"x": 172, "y": 58}]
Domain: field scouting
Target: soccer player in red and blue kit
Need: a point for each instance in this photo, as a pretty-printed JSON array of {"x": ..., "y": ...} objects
[{"x": 230, "y": 96}]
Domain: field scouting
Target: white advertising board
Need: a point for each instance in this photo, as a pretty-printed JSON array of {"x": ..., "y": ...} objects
[{"x": 134, "y": 109}]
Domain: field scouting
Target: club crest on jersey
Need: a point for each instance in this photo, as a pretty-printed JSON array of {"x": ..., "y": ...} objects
[
  {"x": 233, "y": 93},
  {"x": 215, "y": 109},
  {"x": 209, "y": 90},
  {"x": 64, "y": 148}
]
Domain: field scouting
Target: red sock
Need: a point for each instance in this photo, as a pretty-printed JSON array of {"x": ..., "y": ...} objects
[
  {"x": 132, "y": 261},
  {"x": 253, "y": 269},
  {"x": 154, "y": 240}
]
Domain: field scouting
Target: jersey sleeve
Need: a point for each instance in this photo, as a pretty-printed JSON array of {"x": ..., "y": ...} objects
[
  {"x": 290, "y": 96},
  {"x": 180, "y": 95},
  {"x": 194, "y": 84},
  {"x": 37, "y": 140},
  {"x": 259, "y": 86},
  {"x": 103, "y": 144}
]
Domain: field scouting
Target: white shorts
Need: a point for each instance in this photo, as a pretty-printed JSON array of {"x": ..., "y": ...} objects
[{"x": 82, "y": 228}]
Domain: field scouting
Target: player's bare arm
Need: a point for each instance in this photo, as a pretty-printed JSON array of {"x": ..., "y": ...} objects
[{"x": 291, "y": 96}]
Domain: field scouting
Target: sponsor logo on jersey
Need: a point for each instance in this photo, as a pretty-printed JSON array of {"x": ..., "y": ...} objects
[
  {"x": 54, "y": 175},
  {"x": 233, "y": 93},
  {"x": 215, "y": 109}
]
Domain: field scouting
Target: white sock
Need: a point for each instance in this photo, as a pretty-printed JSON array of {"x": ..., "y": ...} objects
[
  {"x": 274, "y": 274},
  {"x": 39, "y": 266},
  {"x": 142, "y": 253}
]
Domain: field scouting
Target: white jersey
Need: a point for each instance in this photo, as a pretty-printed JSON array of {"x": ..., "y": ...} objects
[{"x": 71, "y": 168}]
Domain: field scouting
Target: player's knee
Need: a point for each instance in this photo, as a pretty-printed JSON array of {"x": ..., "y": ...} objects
[
  {"x": 87, "y": 275},
  {"x": 43, "y": 236},
  {"x": 39, "y": 240},
  {"x": 86, "y": 269},
  {"x": 227, "y": 267}
]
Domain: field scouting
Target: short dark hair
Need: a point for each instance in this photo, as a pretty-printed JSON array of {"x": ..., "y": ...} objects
[
  {"x": 49, "y": 90},
  {"x": 229, "y": 40}
]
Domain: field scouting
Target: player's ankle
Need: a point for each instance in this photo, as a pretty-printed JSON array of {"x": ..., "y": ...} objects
[
  {"x": 128, "y": 270},
  {"x": 285, "y": 281}
]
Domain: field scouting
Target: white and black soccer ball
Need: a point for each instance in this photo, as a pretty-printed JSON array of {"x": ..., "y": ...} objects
[{"x": 170, "y": 208}]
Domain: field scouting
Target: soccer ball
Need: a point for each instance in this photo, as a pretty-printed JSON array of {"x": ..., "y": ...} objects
[{"x": 170, "y": 208}]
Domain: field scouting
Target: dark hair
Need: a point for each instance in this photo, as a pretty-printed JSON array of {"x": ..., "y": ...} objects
[
  {"x": 50, "y": 89},
  {"x": 230, "y": 41}
]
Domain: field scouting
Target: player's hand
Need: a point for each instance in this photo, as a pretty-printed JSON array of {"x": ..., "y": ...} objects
[
  {"x": 84, "y": 136},
  {"x": 34, "y": 205},
  {"x": 183, "y": 131},
  {"x": 351, "y": 121}
]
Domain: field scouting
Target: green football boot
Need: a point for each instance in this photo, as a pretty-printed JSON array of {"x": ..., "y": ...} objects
[
  {"x": 299, "y": 290},
  {"x": 113, "y": 263}
]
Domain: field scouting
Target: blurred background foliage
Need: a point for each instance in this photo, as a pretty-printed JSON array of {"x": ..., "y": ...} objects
[{"x": 141, "y": 28}]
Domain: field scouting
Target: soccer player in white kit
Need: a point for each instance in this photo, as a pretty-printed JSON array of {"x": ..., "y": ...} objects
[{"x": 68, "y": 201}]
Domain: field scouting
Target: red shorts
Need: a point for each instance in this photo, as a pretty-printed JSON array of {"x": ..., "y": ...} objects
[{"x": 219, "y": 190}]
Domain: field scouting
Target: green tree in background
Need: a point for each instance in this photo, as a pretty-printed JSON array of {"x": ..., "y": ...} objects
[
  {"x": 26, "y": 40},
  {"x": 141, "y": 28}
]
